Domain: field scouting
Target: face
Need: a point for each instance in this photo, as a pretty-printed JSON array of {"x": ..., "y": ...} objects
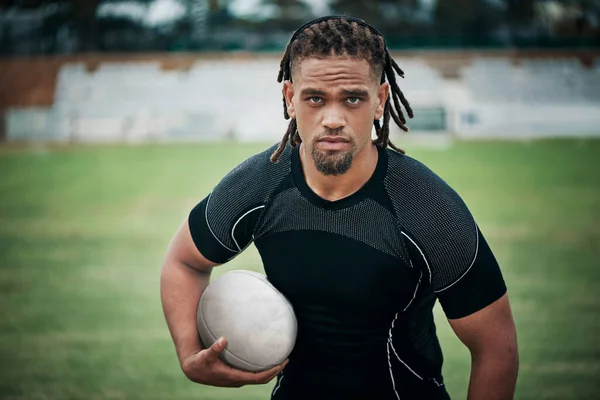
[{"x": 335, "y": 101}]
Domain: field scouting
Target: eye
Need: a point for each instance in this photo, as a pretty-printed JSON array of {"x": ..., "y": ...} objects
[
  {"x": 353, "y": 100},
  {"x": 315, "y": 99}
]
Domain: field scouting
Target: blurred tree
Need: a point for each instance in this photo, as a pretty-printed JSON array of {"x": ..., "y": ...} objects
[
  {"x": 83, "y": 16},
  {"x": 290, "y": 9},
  {"x": 591, "y": 14},
  {"x": 520, "y": 17},
  {"x": 520, "y": 12},
  {"x": 288, "y": 14},
  {"x": 398, "y": 20},
  {"x": 369, "y": 11},
  {"x": 466, "y": 21},
  {"x": 576, "y": 19}
]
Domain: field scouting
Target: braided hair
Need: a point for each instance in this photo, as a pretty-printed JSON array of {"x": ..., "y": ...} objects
[{"x": 345, "y": 36}]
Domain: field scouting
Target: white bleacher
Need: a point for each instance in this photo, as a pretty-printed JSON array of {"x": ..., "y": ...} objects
[
  {"x": 532, "y": 81},
  {"x": 212, "y": 99},
  {"x": 531, "y": 98},
  {"x": 216, "y": 99},
  {"x": 206, "y": 101},
  {"x": 422, "y": 84}
]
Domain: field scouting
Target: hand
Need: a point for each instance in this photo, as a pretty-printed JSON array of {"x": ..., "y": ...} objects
[{"x": 206, "y": 368}]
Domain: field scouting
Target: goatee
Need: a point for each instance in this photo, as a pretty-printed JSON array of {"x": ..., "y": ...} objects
[{"x": 332, "y": 162}]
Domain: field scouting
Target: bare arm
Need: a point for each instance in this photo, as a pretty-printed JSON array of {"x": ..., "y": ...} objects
[
  {"x": 491, "y": 337},
  {"x": 185, "y": 275}
]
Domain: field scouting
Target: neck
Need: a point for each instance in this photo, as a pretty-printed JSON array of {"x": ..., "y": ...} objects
[{"x": 336, "y": 187}]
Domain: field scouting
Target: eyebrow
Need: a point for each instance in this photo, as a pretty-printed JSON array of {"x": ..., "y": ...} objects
[
  {"x": 312, "y": 92},
  {"x": 354, "y": 93},
  {"x": 343, "y": 92}
]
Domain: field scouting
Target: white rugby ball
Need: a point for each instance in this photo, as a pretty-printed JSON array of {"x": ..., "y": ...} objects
[{"x": 256, "y": 319}]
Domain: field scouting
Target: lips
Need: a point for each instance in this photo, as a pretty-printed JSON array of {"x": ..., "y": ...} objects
[
  {"x": 333, "y": 143},
  {"x": 333, "y": 139}
]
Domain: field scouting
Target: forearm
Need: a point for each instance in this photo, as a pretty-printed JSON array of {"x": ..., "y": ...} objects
[
  {"x": 493, "y": 376},
  {"x": 181, "y": 288}
]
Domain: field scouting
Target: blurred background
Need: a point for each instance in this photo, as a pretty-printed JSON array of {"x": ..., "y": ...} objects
[{"x": 117, "y": 117}]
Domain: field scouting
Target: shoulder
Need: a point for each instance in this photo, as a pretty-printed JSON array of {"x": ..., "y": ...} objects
[
  {"x": 258, "y": 170},
  {"x": 434, "y": 218},
  {"x": 248, "y": 186},
  {"x": 222, "y": 224},
  {"x": 254, "y": 180},
  {"x": 408, "y": 180}
]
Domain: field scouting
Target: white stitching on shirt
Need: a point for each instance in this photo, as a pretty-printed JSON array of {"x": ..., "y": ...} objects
[
  {"x": 388, "y": 358},
  {"x": 209, "y": 228},
  {"x": 468, "y": 269},
  {"x": 399, "y": 359},
  {"x": 278, "y": 386},
  {"x": 415, "y": 294},
  {"x": 422, "y": 254},
  {"x": 236, "y": 222}
]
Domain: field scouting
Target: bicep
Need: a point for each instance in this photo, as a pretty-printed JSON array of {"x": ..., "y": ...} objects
[
  {"x": 183, "y": 250},
  {"x": 491, "y": 328},
  {"x": 477, "y": 284}
]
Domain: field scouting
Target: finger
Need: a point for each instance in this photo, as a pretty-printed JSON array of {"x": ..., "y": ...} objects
[
  {"x": 269, "y": 377},
  {"x": 261, "y": 376},
  {"x": 237, "y": 375},
  {"x": 217, "y": 347},
  {"x": 276, "y": 369}
]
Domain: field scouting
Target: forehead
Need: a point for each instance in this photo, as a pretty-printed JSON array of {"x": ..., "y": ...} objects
[{"x": 333, "y": 71}]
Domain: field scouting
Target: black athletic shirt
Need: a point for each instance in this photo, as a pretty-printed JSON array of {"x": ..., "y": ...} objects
[{"x": 362, "y": 273}]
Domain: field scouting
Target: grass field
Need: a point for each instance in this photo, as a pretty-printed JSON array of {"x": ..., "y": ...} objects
[{"x": 83, "y": 231}]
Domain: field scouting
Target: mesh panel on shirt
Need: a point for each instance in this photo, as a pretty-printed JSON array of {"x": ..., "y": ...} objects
[
  {"x": 366, "y": 221},
  {"x": 259, "y": 177},
  {"x": 434, "y": 216}
]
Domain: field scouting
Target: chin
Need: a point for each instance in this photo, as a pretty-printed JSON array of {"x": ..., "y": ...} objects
[{"x": 333, "y": 162}]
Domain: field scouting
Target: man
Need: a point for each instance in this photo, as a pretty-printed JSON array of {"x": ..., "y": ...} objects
[{"x": 360, "y": 238}]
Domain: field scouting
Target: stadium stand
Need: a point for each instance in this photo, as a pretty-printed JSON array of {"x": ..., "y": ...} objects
[
  {"x": 213, "y": 99},
  {"x": 216, "y": 98},
  {"x": 535, "y": 97},
  {"x": 533, "y": 81}
]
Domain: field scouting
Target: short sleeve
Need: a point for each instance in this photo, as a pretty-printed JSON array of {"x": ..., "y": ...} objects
[
  {"x": 480, "y": 284},
  {"x": 220, "y": 249},
  {"x": 443, "y": 238},
  {"x": 452, "y": 252},
  {"x": 222, "y": 224}
]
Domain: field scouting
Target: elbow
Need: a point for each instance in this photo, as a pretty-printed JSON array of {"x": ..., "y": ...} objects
[
  {"x": 511, "y": 352},
  {"x": 504, "y": 358},
  {"x": 508, "y": 360},
  {"x": 513, "y": 357}
]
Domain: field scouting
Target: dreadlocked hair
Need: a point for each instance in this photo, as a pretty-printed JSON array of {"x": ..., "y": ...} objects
[{"x": 345, "y": 37}]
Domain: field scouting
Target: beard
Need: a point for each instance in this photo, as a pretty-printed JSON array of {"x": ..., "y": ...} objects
[{"x": 332, "y": 162}]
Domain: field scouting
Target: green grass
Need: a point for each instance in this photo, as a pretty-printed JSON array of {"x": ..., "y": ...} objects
[{"x": 83, "y": 231}]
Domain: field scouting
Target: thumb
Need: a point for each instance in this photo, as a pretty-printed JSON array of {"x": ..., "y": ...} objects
[{"x": 217, "y": 347}]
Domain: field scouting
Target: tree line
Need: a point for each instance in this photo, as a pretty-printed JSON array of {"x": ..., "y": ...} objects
[{"x": 68, "y": 26}]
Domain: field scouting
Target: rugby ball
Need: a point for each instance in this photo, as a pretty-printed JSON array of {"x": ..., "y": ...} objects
[{"x": 256, "y": 319}]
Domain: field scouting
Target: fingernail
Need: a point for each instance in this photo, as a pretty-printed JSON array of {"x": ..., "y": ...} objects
[{"x": 221, "y": 341}]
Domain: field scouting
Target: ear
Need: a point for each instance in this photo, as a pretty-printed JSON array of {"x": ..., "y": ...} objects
[
  {"x": 288, "y": 96},
  {"x": 382, "y": 96}
]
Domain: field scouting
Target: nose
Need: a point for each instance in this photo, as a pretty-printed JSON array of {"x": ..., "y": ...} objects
[{"x": 333, "y": 118}]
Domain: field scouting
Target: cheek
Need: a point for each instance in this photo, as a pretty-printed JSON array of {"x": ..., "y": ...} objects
[
  {"x": 374, "y": 108},
  {"x": 364, "y": 120},
  {"x": 304, "y": 122},
  {"x": 307, "y": 117}
]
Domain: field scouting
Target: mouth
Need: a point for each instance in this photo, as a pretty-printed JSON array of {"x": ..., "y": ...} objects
[
  {"x": 333, "y": 143},
  {"x": 333, "y": 139}
]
